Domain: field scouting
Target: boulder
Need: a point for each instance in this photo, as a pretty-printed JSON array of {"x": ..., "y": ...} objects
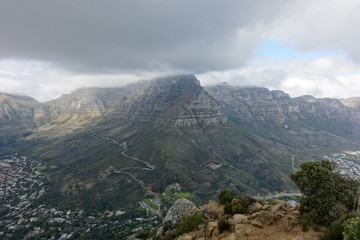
[
  {"x": 257, "y": 223},
  {"x": 211, "y": 229},
  {"x": 263, "y": 202},
  {"x": 181, "y": 207},
  {"x": 238, "y": 218},
  {"x": 255, "y": 207},
  {"x": 281, "y": 205},
  {"x": 264, "y": 216},
  {"x": 276, "y": 201},
  {"x": 230, "y": 236},
  {"x": 210, "y": 211}
]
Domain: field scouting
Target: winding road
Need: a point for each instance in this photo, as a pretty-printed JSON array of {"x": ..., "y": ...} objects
[{"x": 123, "y": 170}]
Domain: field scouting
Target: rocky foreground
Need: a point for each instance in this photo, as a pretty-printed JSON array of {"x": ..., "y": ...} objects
[{"x": 264, "y": 221}]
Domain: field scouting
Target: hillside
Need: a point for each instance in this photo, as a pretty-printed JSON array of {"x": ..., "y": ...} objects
[{"x": 116, "y": 144}]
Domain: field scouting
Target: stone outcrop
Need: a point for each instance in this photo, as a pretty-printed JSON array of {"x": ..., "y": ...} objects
[
  {"x": 181, "y": 207},
  {"x": 277, "y": 220},
  {"x": 178, "y": 209}
]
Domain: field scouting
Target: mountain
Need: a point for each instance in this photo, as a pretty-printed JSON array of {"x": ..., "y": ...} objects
[{"x": 106, "y": 147}]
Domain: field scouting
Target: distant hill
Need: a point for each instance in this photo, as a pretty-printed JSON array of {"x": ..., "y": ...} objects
[{"x": 206, "y": 139}]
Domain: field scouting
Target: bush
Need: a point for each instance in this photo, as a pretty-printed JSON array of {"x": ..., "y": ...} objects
[
  {"x": 322, "y": 190},
  {"x": 336, "y": 229},
  {"x": 241, "y": 204},
  {"x": 352, "y": 229},
  {"x": 143, "y": 234},
  {"x": 223, "y": 225},
  {"x": 227, "y": 208},
  {"x": 337, "y": 212},
  {"x": 188, "y": 223},
  {"x": 226, "y": 196}
]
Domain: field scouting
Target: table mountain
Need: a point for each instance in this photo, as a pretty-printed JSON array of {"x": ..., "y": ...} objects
[{"x": 114, "y": 144}]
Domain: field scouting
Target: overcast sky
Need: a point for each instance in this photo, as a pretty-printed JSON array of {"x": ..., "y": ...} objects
[{"x": 48, "y": 48}]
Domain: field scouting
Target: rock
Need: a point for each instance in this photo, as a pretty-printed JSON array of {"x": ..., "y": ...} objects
[
  {"x": 186, "y": 237},
  {"x": 238, "y": 218},
  {"x": 257, "y": 223},
  {"x": 266, "y": 207},
  {"x": 255, "y": 207},
  {"x": 160, "y": 232},
  {"x": 289, "y": 222},
  {"x": 278, "y": 216},
  {"x": 279, "y": 206},
  {"x": 295, "y": 212},
  {"x": 298, "y": 238},
  {"x": 178, "y": 209},
  {"x": 276, "y": 201},
  {"x": 265, "y": 217},
  {"x": 231, "y": 236},
  {"x": 263, "y": 202},
  {"x": 211, "y": 229},
  {"x": 211, "y": 211}
]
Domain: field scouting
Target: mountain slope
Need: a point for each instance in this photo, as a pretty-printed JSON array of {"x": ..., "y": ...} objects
[{"x": 116, "y": 144}]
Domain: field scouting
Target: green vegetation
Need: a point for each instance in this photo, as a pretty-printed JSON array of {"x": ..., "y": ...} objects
[
  {"x": 240, "y": 205},
  {"x": 235, "y": 204},
  {"x": 223, "y": 225},
  {"x": 226, "y": 196},
  {"x": 328, "y": 199},
  {"x": 188, "y": 223},
  {"x": 323, "y": 191},
  {"x": 150, "y": 204},
  {"x": 145, "y": 234},
  {"x": 352, "y": 229},
  {"x": 335, "y": 231}
]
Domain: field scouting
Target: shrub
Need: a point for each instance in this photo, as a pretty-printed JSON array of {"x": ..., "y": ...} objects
[
  {"x": 227, "y": 208},
  {"x": 352, "y": 229},
  {"x": 323, "y": 189},
  {"x": 223, "y": 225},
  {"x": 167, "y": 225},
  {"x": 226, "y": 196},
  {"x": 143, "y": 234},
  {"x": 336, "y": 229},
  {"x": 241, "y": 204},
  {"x": 188, "y": 223}
]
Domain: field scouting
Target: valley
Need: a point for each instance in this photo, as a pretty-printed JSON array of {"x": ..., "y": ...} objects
[{"x": 138, "y": 148}]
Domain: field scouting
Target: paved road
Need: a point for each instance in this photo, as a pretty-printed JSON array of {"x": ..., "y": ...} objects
[
  {"x": 122, "y": 171},
  {"x": 280, "y": 195}
]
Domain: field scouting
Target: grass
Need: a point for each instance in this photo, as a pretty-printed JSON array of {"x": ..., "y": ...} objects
[
  {"x": 149, "y": 203},
  {"x": 179, "y": 195},
  {"x": 40, "y": 168}
]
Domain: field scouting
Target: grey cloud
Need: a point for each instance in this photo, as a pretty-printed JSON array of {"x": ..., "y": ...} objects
[
  {"x": 113, "y": 36},
  {"x": 323, "y": 25}
]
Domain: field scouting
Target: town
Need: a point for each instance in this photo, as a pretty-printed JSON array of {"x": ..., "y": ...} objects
[
  {"x": 22, "y": 216},
  {"x": 347, "y": 163}
]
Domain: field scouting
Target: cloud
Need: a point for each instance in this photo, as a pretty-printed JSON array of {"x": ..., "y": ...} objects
[
  {"x": 116, "y": 36},
  {"x": 320, "y": 25},
  {"x": 43, "y": 82},
  {"x": 320, "y": 77},
  {"x": 48, "y": 48}
]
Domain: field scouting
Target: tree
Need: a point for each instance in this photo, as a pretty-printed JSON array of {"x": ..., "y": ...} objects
[
  {"x": 226, "y": 196},
  {"x": 322, "y": 190},
  {"x": 352, "y": 229}
]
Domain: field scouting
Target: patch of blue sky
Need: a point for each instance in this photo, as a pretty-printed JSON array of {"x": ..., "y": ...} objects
[{"x": 273, "y": 49}]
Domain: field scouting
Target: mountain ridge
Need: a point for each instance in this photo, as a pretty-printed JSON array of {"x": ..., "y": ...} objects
[{"x": 181, "y": 128}]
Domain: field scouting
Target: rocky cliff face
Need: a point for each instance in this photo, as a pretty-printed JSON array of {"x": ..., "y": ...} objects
[
  {"x": 15, "y": 107},
  {"x": 179, "y": 101},
  {"x": 262, "y": 104}
]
